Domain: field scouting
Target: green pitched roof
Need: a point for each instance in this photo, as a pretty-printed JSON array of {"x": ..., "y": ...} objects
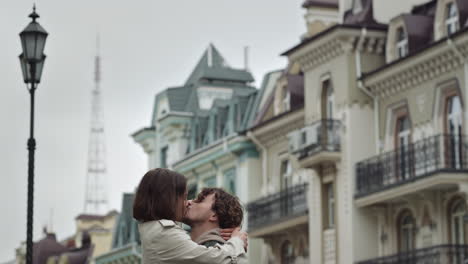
[
  {"x": 178, "y": 98},
  {"x": 126, "y": 230},
  {"x": 212, "y": 66}
]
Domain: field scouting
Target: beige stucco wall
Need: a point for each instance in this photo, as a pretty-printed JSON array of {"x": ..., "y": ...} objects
[
  {"x": 356, "y": 112},
  {"x": 423, "y": 104},
  {"x": 102, "y": 239}
]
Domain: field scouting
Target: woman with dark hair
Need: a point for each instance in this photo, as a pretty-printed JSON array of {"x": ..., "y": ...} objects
[{"x": 160, "y": 201}]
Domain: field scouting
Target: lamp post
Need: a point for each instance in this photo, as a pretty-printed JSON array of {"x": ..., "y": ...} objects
[{"x": 33, "y": 39}]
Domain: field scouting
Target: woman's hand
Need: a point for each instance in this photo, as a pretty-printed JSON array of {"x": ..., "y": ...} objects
[
  {"x": 242, "y": 235},
  {"x": 226, "y": 233}
]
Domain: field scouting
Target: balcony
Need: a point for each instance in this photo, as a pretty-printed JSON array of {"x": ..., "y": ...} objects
[
  {"x": 317, "y": 143},
  {"x": 435, "y": 162},
  {"x": 444, "y": 254},
  {"x": 281, "y": 210}
]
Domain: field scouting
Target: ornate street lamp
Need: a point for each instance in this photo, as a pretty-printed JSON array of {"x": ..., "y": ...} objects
[{"x": 33, "y": 39}]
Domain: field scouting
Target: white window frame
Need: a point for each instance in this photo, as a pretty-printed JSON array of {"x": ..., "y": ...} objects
[
  {"x": 402, "y": 44},
  {"x": 452, "y": 23}
]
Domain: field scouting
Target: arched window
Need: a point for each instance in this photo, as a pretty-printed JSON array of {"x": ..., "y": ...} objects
[
  {"x": 402, "y": 43},
  {"x": 285, "y": 177},
  {"x": 457, "y": 224},
  {"x": 451, "y": 20},
  {"x": 406, "y": 232},
  {"x": 403, "y": 138},
  {"x": 286, "y": 99},
  {"x": 287, "y": 253},
  {"x": 327, "y": 100},
  {"x": 454, "y": 127}
]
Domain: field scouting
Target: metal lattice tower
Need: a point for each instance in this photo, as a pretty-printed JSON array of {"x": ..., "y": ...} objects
[{"x": 96, "y": 195}]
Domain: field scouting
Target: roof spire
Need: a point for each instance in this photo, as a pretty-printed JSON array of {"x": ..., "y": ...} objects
[
  {"x": 210, "y": 55},
  {"x": 97, "y": 62}
]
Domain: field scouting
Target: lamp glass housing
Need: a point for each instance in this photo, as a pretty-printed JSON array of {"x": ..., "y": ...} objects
[{"x": 26, "y": 69}]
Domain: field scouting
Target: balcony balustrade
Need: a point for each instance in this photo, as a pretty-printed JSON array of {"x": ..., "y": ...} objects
[
  {"x": 422, "y": 159},
  {"x": 444, "y": 254},
  {"x": 319, "y": 142},
  {"x": 282, "y": 206}
]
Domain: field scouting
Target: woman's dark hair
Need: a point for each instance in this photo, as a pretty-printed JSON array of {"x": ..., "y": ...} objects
[{"x": 157, "y": 195}]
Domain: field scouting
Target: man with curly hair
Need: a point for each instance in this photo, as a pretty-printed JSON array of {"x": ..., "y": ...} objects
[{"x": 212, "y": 210}]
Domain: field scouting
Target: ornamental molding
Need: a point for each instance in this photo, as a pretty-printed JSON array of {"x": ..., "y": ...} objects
[
  {"x": 276, "y": 131},
  {"x": 337, "y": 43},
  {"x": 424, "y": 67}
]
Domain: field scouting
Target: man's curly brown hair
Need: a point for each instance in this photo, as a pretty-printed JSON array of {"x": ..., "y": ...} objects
[{"x": 226, "y": 206}]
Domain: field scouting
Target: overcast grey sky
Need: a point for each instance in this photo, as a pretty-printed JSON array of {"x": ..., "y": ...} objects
[{"x": 146, "y": 45}]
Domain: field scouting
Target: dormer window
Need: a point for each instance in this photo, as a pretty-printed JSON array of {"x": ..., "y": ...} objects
[
  {"x": 357, "y": 6},
  {"x": 402, "y": 43},
  {"x": 452, "y": 18}
]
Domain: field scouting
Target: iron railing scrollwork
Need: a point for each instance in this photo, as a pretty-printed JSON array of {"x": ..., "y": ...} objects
[
  {"x": 441, "y": 153},
  {"x": 288, "y": 203}
]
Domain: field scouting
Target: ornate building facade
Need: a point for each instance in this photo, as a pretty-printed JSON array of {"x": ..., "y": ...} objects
[{"x": 354, "y": 153}]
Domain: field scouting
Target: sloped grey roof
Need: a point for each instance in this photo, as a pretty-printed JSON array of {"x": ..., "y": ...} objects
[
  {"x": 321, "y": 3},
  {"x": 420, "y": 30},
  {"x": 255, "y": 108},
  {"x": 126, "y": 231},
  {"x": 463, "y": 11},
  {"x": 212, "y": 66},
  {"x": 46, "y": 248},
  {"x": 363, "y": 18},
  {"x": 178, "y": 98}
]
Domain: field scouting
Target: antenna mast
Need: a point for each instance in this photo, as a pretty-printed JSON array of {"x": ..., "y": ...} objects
[{"x": 96, "y": 195}]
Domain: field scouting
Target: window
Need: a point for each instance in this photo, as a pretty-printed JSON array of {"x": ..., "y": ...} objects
[
  {"x": 329, "y": 205},
  {"x": 454, "y": 126},
  {"x": 403, "y": 130},
  {"x": 230, "y": 180},
  {"x": 215, "y": 127},
  {"x": 287, "y": 253},
  {"x": 406, "y": 229},
  {"x": 451, "y": 21},
  {"x": 285, "y": 171},
  {"x": 303, "y": 137},
  {"x": 457, "y": 223},
  {"x": 402, "y": 43},
  {"x": 163, "y": 159},
  {"x": 286, "y": 99},
  {"x": 210, "y": 182},
  {"x": 328, "y": 100}
]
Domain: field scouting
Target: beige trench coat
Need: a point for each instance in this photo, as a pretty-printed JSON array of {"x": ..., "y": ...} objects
[{"x": 164, "y": 242}]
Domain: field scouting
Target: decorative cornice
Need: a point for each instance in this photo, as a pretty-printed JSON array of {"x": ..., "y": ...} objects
[
  {"x": 276, "y": 131},
  {"x": 336, "y": 43},
  {"x": 424, "y": 67}
]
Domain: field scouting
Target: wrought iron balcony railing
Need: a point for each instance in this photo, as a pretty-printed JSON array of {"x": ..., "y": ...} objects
[
  {"x": 286, "y": 204},
  {"x": 441, "y": 153},
  {"x": 323, "y": 135},
  {"x": 444, "y": 254}
]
